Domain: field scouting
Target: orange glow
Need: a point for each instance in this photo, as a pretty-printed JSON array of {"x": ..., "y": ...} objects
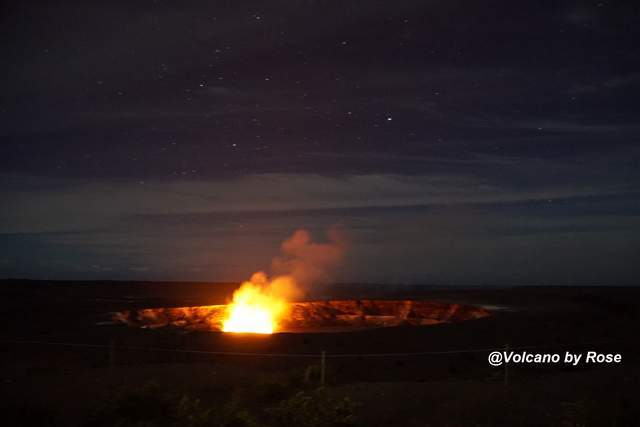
[
  {"x": 257, "y": 306},
  {"x": 260, "y": 305}
]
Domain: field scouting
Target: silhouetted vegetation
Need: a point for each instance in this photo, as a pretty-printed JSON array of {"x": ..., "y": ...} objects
[
  {"x": 274, "y": 400},
  {"x": 314, "y": 409},
  {"x": 149, "y": 406}
]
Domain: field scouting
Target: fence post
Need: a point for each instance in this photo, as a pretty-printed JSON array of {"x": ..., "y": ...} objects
[
  {"x": 323, "y": 366},
  {"x": 506, "y": 366},
  {"x": 112, "y": 353}
]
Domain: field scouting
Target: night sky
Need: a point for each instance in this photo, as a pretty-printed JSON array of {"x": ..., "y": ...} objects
[{"x": 456, "y": 142}]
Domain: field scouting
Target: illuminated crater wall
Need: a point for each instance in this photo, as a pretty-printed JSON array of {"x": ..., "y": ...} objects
[{"x": 313, "y": 316}]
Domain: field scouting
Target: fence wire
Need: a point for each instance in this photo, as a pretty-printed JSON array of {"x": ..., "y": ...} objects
[{"x": 300, "y": 355}]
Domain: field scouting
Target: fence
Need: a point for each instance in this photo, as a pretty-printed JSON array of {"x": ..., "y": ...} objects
[{"x": 113, "y": 349}]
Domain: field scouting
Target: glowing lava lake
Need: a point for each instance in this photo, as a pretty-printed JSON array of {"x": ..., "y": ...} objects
[{"x": 310, "y": 316}]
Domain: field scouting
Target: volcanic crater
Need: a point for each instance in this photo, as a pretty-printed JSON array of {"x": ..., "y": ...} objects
[{"x": 313, "y": 316}]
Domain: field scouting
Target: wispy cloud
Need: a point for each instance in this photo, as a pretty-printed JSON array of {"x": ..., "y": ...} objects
[{"x": 79, "y": 205}]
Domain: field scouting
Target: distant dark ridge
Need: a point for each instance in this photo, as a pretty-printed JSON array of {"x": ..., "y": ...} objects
[{"x": 432, "y": 286}]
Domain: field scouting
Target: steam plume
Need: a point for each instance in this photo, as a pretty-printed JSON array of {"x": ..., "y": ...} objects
[
  {"x": 302, "y": 264},
  {"x": 260, "y": 304},
  {"x": 307, "y": 262}
]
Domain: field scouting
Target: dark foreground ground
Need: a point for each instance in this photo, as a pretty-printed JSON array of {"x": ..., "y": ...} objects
[{"x": 61, "y": 367}]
